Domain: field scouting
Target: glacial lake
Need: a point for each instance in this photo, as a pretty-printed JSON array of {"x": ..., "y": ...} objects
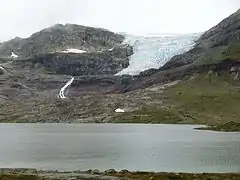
[{"x": 170, "y": 148}]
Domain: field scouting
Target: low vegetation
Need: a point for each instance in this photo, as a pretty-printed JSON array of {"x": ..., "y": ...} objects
[
  {"x": 203, "y": 99},
  {"x": 210, "y": 100},
  {"x": 217, "y": 54},
  {"x": 128, "y": 175},
  {"x": 226, "y": 127},
  {"x": 177, "y": 176}
]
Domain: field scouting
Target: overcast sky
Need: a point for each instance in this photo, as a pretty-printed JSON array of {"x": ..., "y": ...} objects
[{"x": 23, "y": 17}]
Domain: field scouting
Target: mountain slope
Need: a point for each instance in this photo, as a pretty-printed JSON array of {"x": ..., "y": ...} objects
[
  {"x": 224, "y": 33},
  {"x": 219, "y": 43},
  {"x": 30, "y": 83},
  {"x": 207, "y": 82},
  {"x": 61, "y": 37},
  {"x": 68, "y": 49},
  {"x": 200, "y": 86},
  {"x": 207, "y": 54}
]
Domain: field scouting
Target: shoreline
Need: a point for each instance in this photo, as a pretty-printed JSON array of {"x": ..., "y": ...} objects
[
  {"x": 111, "y": 174},
  {"x": 225, "y": 127}
]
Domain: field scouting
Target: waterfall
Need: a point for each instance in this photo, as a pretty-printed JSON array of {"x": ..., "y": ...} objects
[
  {"x": 2, "y": 68},
  {"x": 62, "y": 90}
]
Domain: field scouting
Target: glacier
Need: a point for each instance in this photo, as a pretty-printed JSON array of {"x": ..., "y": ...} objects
[{"x": 153, "y": 51}]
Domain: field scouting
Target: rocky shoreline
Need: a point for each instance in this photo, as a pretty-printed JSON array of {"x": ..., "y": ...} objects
[
  {"x": 111, "y": 174},
  {"x": 226, "y": 127}
]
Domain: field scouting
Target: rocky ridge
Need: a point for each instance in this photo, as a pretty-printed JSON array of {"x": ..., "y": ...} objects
[
  {"x": 61, "y": 37},
  {"x": 101, "y": 51}
]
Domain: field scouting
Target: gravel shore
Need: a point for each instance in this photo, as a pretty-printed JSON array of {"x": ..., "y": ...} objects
[{"x": 111, "y": 174}]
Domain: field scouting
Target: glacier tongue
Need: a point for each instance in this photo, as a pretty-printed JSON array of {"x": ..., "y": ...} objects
[{"x": 155, "y": 51}]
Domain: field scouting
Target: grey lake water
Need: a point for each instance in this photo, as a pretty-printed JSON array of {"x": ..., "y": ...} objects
[{"x": 129, "y": 146}]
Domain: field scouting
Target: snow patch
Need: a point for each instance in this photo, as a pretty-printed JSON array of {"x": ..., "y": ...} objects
[
  {"x": 73, "y": 51},
  {"x": 14, "y": 55},
  {"x": 118, "y": 110}
]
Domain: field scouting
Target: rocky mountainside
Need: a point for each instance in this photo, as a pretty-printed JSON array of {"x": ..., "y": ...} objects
[
  {"x": 226, "y": 32},
  {"x": 219, "y": 43},
  {"x": 206, "y": 82},
  {"x": 69, "y": 49},
  {"x": 77, "y": 64},
  {"x": 199, "y": 86},
  {"x": 217, "y": 49},
  {"x": 30, "y": 83},
  {"x": 61, "y": 37}
]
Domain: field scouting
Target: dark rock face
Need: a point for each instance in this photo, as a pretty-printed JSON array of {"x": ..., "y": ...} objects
[
  {"x": 95, "y": 63},
  {"x": 182, "y": 59},
  {"x": 1, "y": 71},
  {"x": 181, "y": 73},
  {"x": 61, "y": 37},
  {"x": 104, "y": 52},
  {"x": 106, "y": 84}
]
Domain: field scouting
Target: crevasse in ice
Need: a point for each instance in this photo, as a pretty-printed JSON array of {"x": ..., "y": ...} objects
[{"x": 155, "y": 51}]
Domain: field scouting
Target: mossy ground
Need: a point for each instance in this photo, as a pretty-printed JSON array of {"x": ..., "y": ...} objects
[
  {"x": 135, "y": 176},
  {"x": 148, "y": 114},
  {"x": 202, "y": 99},
  {"x": 226, "y": 127},
  {"x": 209, "y": 100},
  {"x": 19, "y": 177},
  {"x": 217, "y": 54},
  {"x": 177, "y": 176}
]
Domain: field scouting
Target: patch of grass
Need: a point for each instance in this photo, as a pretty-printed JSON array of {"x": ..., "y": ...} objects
[
  {"x": 148, "y": 114},
  {"x": 225, "y": 127},
  {"x": 233, "y": 50},
  {"x": 177, "y": 176},
  {"x": 19, "y": 177},
  {"x": 203, "y": 99},
  {"x": 217, "y": 54},
  {"x": 211, "y": 101},
  {"x": 133, "y": 176}
]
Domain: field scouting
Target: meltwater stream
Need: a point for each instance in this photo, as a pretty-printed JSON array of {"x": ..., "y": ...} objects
[{"x": 119, "y": 146}]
